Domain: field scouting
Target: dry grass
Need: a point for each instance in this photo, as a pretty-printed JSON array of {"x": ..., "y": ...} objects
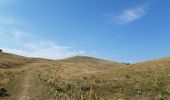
[
  {"x": 147, "y": 80},
  {"x": 7, "y": 75},
  {"x": 12, "y": 61},
  {"x": 93, "y": 79}
]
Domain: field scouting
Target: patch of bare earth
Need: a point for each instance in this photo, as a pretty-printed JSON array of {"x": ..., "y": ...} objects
[
  {"x": 25, "y": 95},
  {"x": 32, "y": 88}
]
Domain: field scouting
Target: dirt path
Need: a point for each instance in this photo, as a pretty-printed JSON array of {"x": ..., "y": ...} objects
[{"x": 27, "y": 86}]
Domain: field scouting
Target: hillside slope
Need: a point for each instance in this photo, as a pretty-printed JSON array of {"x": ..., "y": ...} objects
[
  {"x": 8, "y": 60},
  {"x": 12, "y": 61},
  {"x": 141, "y": 81},
  {"x": 84, "y": 61},
  {"x": 82, "y": 77},
  {"x": 146, "y": 80},
  {"x": 83, "y": 65}
]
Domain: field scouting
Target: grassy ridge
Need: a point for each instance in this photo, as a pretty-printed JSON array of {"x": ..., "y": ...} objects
[
  {"x": 13, "y": 61},
  {"x": 143, "y": 81},
  {"x": 8, "y": 61},
  {"x": 90, "y": 78}
]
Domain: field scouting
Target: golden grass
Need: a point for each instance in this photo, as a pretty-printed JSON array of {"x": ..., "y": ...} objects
[{"x": 87, "y": 78}]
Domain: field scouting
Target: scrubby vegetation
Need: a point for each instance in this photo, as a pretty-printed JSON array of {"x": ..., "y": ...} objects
[
  {"x": 150, "y": 83},
  {"x": 130, "y": 83},
  {"x": 6, "y": 77},
  {"x": 86, "y": 78},
  {"x": 75, "y": 89}
]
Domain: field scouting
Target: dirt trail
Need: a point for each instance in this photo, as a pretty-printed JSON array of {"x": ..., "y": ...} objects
[{"x": 27, "y": 86}]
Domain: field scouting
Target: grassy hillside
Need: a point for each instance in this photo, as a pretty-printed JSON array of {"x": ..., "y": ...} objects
[
  {"x": 12, "y": 61},
  {"x": 147, "y": 80},
  {"x": 76, "y": 76},
  {"x": 8, "y": 60},
  {"x": 87, "y": 78},
  {"x": 97, "y": 78}
]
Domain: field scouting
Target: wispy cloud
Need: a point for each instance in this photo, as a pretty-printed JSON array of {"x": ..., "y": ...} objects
[
  {"x": 17, "y": 41},
  {"x": 15, "y": 38},
  {"x": 45, "y": 49},
  {"x": 130, "y": 15}
]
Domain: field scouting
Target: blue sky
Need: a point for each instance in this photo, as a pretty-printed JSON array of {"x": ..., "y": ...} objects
[{"x": 118, "y": 30}]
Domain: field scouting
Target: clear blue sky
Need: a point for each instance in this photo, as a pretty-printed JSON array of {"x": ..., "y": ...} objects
[{"x": 119, "y": 30}]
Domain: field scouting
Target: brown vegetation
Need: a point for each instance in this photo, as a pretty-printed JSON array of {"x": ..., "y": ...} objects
[{"x": 88, "y": 78}]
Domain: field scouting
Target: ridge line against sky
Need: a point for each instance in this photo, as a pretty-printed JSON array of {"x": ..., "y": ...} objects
[{"x": 129, "y": 31}]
